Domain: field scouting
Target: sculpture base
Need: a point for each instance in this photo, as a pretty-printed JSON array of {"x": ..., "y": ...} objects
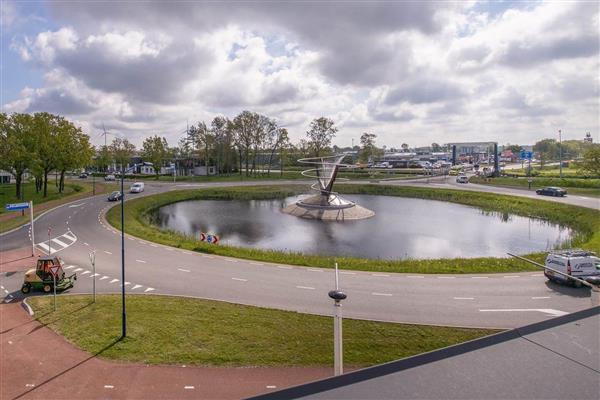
[{"x": 332, "y": 208}]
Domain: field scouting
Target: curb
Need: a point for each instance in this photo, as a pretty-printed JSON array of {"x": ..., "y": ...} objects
[{"x": 27, "y": 307}]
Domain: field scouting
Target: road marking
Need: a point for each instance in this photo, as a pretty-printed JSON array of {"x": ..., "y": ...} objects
[
  {"x": 381, "y": 294},
  {"x": 230, "y": 260},
  {"x": 149, "y": 289},
  {"x": 283, "y": 267},
  {"x": 305, "y": 287},
  {"x": 78, "y": 269},
  {"x": 315, "y": 270},
  {"x": 29, "y": 385},
  {"x": 85, "y": 272},
  {"x": 141, "y": 261},
  {"x": 46, "y": 248},
  {"x": 86, "y": 243},
  {"x": 153, "y": 245},
  {"x": 70, "y": 266},
  {"x": 556, "y": 313},
  {"x": 109, "y": 387},
  {"x": 68, "y": 236},
  {"x": 384, "y": 275},
  {"x": 183, "y": 270},
  {"x": 479, "y": 277},
  {"x": 240, "y": 279},
  {"x": 188, "y": 387},
  {"x": 130, "y": 238},
  {"x": 537, "y": 274},
  {"x": 2, "y": 287},
  {"x": 347, "y": 273},
  {"x": 512, "y": 276},
  {"x": 107, "y": 252},
  {"x": 271, "y": 387},
  {"x": 415, "y": 276},
  {"x": 540, "y": 297},
  {"x": 446, "y": 277},
  {"x": 126, "y": 283},
  {"x": 76, "y": 205},
  {"x": 205, "y": 256},
  {"x": 93, "y": 275},
  {"x": 136, "y": 286},
  {"x": 114, "y": 280},
  {"x": 255, "y": 263},
  {"x": 463, "y": 298},
  {"x": 168, "y": 249},
  {"x": 104, "y": 277}
]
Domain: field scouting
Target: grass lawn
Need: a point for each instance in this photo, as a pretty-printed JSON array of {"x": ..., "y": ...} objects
[
  {"x": 549, "y": 172},
  {"x": 174, "y": 330},
  {"x": 579, "y": 186},
  {"x": 585, "y": 223}
]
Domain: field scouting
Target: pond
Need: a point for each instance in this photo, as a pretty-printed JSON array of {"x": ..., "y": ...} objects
[{"x": 401, "y": 228}]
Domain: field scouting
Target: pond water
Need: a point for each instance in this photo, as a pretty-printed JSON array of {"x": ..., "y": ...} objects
[{"x": 401, "y": 228}]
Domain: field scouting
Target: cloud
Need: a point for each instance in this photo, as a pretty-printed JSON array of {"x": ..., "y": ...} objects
[{"x": 424, "y": 90}]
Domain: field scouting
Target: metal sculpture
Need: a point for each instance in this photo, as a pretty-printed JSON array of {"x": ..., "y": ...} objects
[{"x": 325, "y": 171}]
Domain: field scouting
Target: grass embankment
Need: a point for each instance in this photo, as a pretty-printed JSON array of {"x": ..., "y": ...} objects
[
  {"x": 550, "y": 172},
  {"x": 578, "y": 186},
  {"x": 73, "y": 190},
  {"x": 585, "y": 222},
  {"x": 169, "y": 330}
]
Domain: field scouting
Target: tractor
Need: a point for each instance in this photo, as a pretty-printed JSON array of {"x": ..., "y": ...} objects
[{"x": 41, "y": 278}]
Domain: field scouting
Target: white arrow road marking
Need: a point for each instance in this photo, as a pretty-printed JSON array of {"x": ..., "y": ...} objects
[
  {"x": 148, "y": 290},
  {"x": 136, "y": 286},
  {"x": 556, "y": 313},
  {"x": 104, "y": 277},
  {"x": 114, "y": 280}
]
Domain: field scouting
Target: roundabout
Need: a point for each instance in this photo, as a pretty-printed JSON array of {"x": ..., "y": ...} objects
[{"x": 405, "y": 291}]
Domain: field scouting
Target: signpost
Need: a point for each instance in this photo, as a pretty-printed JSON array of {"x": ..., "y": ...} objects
[
  {"x": 23, "y": 206},
  {"x": 54, "y": 270},
  {"x": 49, "y": 231},
  {"x": 338, "y": 354},
  {"x": 93, "y": 262},
  {"x": 212, "y": 239}
]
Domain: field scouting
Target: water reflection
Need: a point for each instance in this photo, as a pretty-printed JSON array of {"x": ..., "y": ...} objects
[{"x": 400, "y": 228}]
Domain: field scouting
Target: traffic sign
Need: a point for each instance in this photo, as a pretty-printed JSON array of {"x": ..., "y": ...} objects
[
  {"x": 54, "y": 269},
  {"x": 208, "y": 238},
  {"x": 16, "y": 206}
]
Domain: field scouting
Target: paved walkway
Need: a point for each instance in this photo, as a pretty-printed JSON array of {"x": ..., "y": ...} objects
[{"x": 36, "y": 363}]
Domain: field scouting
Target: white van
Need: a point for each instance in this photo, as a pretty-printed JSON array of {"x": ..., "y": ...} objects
[
  {"x": 137, "y": 187},
  {"x": 574, "y": 262}
]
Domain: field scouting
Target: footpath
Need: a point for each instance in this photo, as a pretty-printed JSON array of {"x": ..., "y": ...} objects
[{"x": 36, "y": 363}]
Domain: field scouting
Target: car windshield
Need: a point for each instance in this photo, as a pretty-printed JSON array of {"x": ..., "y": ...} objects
[{"x": 115, "y": 193}]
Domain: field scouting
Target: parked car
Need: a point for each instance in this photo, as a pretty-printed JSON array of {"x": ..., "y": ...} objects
[
  {"x": 552, "y": 191},
  {"x": 137, "y": 187},
  {"x": 109, "y": 178},
  {"x": 462, "y": 179},
  {"x": 83, "y": 175},
  {"x": 115, "y": 196},
  {"x": 574, "y": 262}
]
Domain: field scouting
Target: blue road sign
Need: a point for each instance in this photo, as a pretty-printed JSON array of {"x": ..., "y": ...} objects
[
  {"x": 16, "y": 206},
  {"x": 529, "y": 155},
  {"x": 522, "y": 154}
]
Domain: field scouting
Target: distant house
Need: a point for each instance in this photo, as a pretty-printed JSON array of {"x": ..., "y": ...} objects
[
  {"x": 5, "y": 177},
  {"x": 508, "y": 156}
]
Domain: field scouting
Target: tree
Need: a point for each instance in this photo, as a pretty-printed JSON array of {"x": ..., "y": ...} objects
[
  {"x": 590, "y": 163},
  {"x": 121, "y": 151},
  {"x": 244, "y": 128},
  {"x": 102, "y": 159},
  {"x": 155, "y": 150},
  {"x": 368, "y": 149},
  {"x": 15, "y": 146},
  {"x": 547, "y": 149},
  {"x": 514, "y": 148},
  {"x": 278, "y": 139},
  {"x": 320, "y": 134},
  {"x": 47, "y": 129},
  {"x": 436, "y": 148}
]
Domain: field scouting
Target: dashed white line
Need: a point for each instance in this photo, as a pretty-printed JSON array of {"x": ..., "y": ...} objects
[
  {"x": 306, "y": 287},
  {"x": 136, "y": 286},
  {"x": 153, "y": 245},
  {"x": 114, "y": 280},
  {"x": 109, "y": 387},
  {"x": 512, "y": 276},
  {"x": 141, "y": 261},
  {"x": 85, "y": 272},
  {"x": 78, "y": 269},
  {"x": 283, "y": 267},
  {"x": 315, "y": 270},
  {"x": 255, "y": 263},
  {"x": 479, "y": 277},
  {"x": 93, "y": 275},
  {"x": 149, "y": 289},
  {"x": 183, "y": 270},
  {"x": 382, "y": 275},
  {"x": 540, "y": 297},
  {"x": 188, "y": 387},
  {"x": 415, "y": 276},
  {"x": 104, "y": 277},
  {"x": 446, "y": 277},
  {"x": 107, "y": 252},
  {"x": 463, "y": 298},
  {"x": 271, "y": 387},
  {"x": 240, "y": 279},
  {"x": 347, "y": 273},
  {"x": 230, "y": 260},
  {"x": 381, "y": 294}
]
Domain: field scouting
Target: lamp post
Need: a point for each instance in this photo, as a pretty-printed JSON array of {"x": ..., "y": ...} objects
[
  {"x": 560, "y": 152},
  {"x": 338, "y": 354},
  {"x": 124, "y": 316}
]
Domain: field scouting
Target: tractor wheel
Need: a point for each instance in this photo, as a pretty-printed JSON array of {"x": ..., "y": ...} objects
[
  {"x": 26, "y": 288},
  {"x": 47, "y": 288}
]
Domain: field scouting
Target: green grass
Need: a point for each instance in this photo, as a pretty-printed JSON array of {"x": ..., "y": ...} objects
[
  {"x": 585, "y": 223},
  {"x": 549, "y": 172},
  {"x": 7, "y": 193},
  {"x": 584, "y": 187},
  {"x": 174, "y": 330}
]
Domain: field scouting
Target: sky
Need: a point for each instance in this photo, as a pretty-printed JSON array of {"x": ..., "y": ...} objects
[{"x": 413, "y": 72}]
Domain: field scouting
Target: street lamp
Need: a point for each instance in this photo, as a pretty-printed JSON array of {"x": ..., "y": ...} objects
[
  {"x": 560, "y": 152},
  {"x": 338, "y": 354},
  {"x": 124, "y": 316}
]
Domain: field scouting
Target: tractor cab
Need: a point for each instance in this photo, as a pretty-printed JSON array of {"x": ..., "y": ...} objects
[{"x": 41, "y": 278}]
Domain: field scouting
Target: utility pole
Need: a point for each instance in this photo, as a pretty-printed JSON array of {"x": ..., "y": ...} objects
[
  {"x": 560, "y": 152},
  {"x": 124, "y": 316}
]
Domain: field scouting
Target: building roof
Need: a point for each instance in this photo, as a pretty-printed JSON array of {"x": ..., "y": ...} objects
[{"x": 553, "y": 359}]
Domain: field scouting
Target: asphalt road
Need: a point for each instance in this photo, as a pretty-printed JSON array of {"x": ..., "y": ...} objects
[{"x": 492, "y": 300}]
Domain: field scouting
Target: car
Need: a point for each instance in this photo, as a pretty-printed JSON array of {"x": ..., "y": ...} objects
[
  {"x": 83, "y": 175},
  {"x": 462, "y": 179},
  {"x": 572, "y": 262},
  {"x": 552, "y": 191},
  {"x": 115, "y": 196},
  {"x": 137, "y": 187},
  {"x": 109, "y": 178}
]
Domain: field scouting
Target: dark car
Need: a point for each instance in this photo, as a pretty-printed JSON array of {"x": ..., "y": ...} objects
[
  {"x": 552, "y": 191},
  {"x": 114, "y": 196},
  {"x": 83, "y": 175}
]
